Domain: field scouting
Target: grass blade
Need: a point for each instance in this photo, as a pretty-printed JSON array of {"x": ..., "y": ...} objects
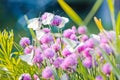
[
  {"x": 93, "y": 11},
  {"x": 70, "y": 12}
]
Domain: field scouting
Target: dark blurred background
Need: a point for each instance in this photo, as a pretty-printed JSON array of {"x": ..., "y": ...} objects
[{"x": 12, "y": 13}]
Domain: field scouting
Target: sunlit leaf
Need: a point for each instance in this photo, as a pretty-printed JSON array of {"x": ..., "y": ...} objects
[
  {"x": 111, "y": 8},
  {"x": 99, "y": 24},
  {"x": 70, "y": 12},
  {"x": 118, "y": 33}
]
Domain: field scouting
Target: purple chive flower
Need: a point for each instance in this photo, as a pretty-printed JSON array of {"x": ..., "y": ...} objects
[
  {"x": 98, "y": 52},
  {"x": 66, "y": 52},
  {"x": 73, "y": 37},
  {"x": 103, "y": 38},
  {"x": 37, "y": 58},
  {"x": 46, "y": 30},
  {"x": 58, "y": 41},
  {"x": 81, "y": 48},
  {"x": 69, "y": 62},
  {"x": 47, "y": 38},
  {"x": 25, "y": 77},
  {"x": 74, "y": 29},
  {"x": 106, "y": 69},
  {"x": 44, "y": 46},
  {"x": 56, "y": 47},
  {"x": 28, "y": 49},
  {"x": 86, "y": 52},
  {"x": 58, "y": 62},
  {"x": 24, "y": 41},
  {"x": 47, "y": 73},
  {"x": 67, "y": 33},
  {"x": 37, "y": 51},
  {"x": 98, "y": 78},
  {"x": 82, "y": 30},
  {"x": 90, "y": 43},
  {"x": 49, "y": 53},
  {"x": 106, "y": 48},
  {"x": 87, "y": 62},
  {"x": 56, "y": 21},
  {"x": 84, "y": 38},
  {"x": 111, "y": 35},
  {"x": 36, "y": 77}
]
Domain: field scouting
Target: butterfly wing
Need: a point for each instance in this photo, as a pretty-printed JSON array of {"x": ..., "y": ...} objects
[
  {"x": 28, "y": 58},
  {"x": 34, "y": 24},
  {"x": 70, "y": 44},
  {"x": 39, "y": 34}
]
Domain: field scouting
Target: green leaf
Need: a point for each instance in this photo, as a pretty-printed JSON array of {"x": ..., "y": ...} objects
[
  {"x": 93, "y": 11},
  {"x": 107, "y": 58},
  {"x": 111, "y": 8},
  {"x": 118, "y": 33},
  {"x": 55, "y": 74},
  {"x": 70, "y": 12}
]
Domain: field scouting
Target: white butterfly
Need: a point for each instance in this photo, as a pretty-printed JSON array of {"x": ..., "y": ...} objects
[
  {"x": 28, "y": 58},
  {"x": 39, "y": 34},
  {"x": 34, "y": 23},
  {"x": 72, "y": 45},
  {"x": 47, "y": 18},
  {"x": 64, "y": 21}
]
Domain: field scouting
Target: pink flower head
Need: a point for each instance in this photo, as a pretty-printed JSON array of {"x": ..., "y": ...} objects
[
  {"x": 73, "y": 37},
  {"x": 47, "y": 38},
  {"x": 58, "y": 62},
  {"x": 69, "y": 62},
  {"x": 67, "y": 33},
  {"x": 47, "y": 73},
  {"x": 82, "y": 30},
  {"x": 28, "y": 49},
  {"x": 66, "y": 52},
  {"x": 90, "y": 43},
  {"x": 74, "y": 29},
  {"x": 106, "y": 48},
  {"x": 87, "y": 62},
  {"x": 44, "y": 46},
  {"x": 58, "y": 40},
  {"x": 49, "y": 53},
  {"x": 56, "y": 47},
  {"x": 81, "y": 48},
  {"x": 98, "y": 52},
  {"x": 46, "y": 30},
  {"x": 103, "y": 38},
  {"x": 25, "y": 77},
  {"x": 86, "y": 52},
  {"x": 99, "y": 78},
  {"x": 24, "y": 41},
  {"x": 84, "y": 38},
  {"x": 36, "y": 77},
  {"x": 106, "y": 69},
  {"x": 37, "y": 58},
  {"x": 56, "y": 20},
  {"x": 37, "y": 51},
  {"x": 111, "y": 35}
]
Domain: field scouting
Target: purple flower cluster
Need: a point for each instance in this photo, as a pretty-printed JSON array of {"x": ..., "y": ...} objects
[
  {"x": 64, "y": 52},
  {"x": 25, "y": 77},
  {"x": 24, "y": 41},
  {"x": 47, "y": 73}
]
